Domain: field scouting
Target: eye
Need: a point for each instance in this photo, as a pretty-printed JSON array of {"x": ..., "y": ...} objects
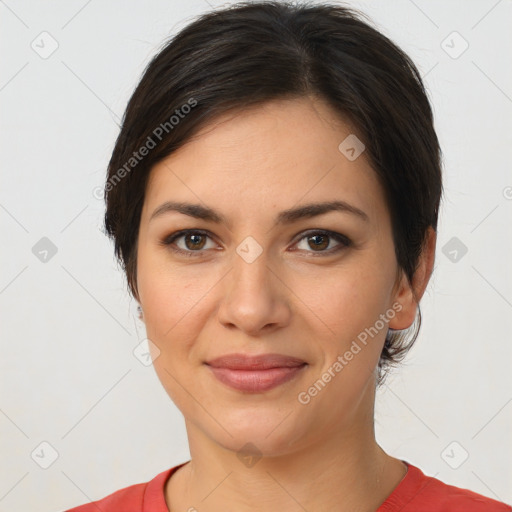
[
  {"x": 194, "y": 240},
  {"x": 320, "y": 240}
]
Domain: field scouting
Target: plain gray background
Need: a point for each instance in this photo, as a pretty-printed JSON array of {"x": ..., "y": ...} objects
[{"x": 69, "y": 377}]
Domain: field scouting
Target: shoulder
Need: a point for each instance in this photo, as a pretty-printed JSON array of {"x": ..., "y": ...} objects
[
  {"x": 420, "y": 493},
  {"x": 134, "y": 498},
  {"x": 127, "y": 499}
]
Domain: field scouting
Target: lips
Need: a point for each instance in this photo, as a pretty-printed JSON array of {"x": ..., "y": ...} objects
[{"x": 255, "y": 373}]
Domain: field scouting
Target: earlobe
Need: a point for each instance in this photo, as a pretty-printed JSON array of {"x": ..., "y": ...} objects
[{"x": 408, "y": 295}]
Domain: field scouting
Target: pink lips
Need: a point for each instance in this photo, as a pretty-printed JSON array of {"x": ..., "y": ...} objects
[{"x": 255, "y": 373}]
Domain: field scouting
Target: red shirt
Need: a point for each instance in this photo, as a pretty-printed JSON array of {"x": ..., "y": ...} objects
[{"x": 416, "y": 492}]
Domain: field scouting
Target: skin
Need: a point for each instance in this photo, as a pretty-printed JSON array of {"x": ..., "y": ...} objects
[{"x": 294, "y": 299}]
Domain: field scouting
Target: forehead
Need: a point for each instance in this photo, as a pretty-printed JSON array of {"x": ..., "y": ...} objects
[{"x": 265, "y": 158}]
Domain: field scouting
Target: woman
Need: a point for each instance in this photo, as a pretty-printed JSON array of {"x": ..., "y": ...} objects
[{"x": 273, "y": 197}]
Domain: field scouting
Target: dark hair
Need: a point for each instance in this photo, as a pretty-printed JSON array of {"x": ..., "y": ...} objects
[{"x": 254, "y": 52}]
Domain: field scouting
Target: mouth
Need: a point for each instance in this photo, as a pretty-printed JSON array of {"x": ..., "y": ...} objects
[{"x": 255, "y": 374}]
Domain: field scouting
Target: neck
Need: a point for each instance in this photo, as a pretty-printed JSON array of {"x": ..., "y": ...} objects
[{"x": 343, "y": 470}]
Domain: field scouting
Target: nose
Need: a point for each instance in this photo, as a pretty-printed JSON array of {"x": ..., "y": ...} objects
[{"x": 254, "y": 298}]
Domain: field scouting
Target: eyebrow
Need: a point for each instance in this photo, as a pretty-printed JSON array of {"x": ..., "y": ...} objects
[{"x": 285, "y": 217}]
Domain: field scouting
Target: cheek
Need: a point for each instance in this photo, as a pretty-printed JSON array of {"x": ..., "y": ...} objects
[
  {"x": 174, "y": 314},
  {"x": 350, "y": 347},
  {"x": 351, "y": 300},
  {"x": 174, "y": 317},
  {"x": 350, "y": 309},
  {"x": 170, "y": 294},
  {"x": 177, "y": 306}
]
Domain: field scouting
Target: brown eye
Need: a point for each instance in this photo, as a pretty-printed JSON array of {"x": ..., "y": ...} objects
[
  {"x": 319, "y": 241},
  {"x": 197, "y": 241},
  {"x": 187, "y": 242}
]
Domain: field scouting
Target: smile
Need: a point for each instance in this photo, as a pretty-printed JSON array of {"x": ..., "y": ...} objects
[{"x": 255, "y": 374}]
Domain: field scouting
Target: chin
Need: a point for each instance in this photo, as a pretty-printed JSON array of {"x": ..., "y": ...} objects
[{"x": 268, "y": 433}]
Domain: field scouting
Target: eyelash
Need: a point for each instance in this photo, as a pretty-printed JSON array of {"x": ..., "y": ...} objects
[{"x": 168, "y": 241}]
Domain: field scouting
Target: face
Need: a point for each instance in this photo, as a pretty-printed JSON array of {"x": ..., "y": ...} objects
[{"x": 258, "y": 281}]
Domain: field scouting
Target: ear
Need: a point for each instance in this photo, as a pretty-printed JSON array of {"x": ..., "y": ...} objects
[{"x": 409, "y": 295}]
